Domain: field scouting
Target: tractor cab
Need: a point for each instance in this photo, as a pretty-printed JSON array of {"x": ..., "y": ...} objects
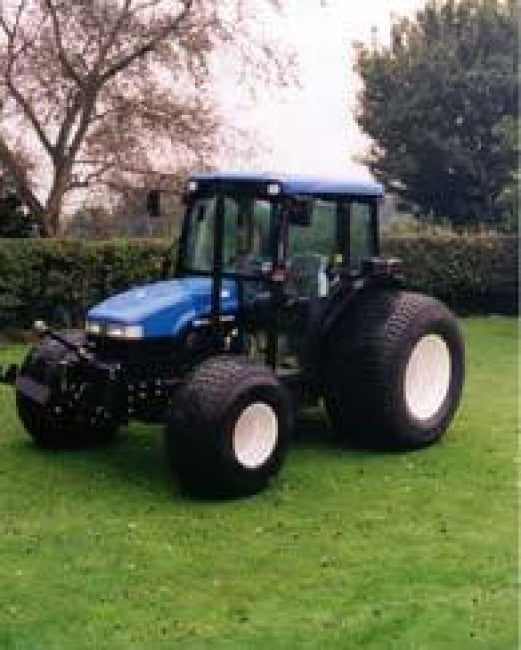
[{"x": 285, "y": 243}]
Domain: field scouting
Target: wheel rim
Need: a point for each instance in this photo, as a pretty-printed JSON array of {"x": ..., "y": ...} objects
[
  {"x": 255, "y": 435},
  {"x": 427, "y": 377}
]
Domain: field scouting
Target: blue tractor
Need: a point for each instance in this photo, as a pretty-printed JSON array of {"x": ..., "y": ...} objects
[{"x": 279, "y": 297}]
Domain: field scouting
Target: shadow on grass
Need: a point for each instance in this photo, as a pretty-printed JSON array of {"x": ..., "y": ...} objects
[
  {"x": 313, "y": 430},
  {"x": 136, "y": 455}
]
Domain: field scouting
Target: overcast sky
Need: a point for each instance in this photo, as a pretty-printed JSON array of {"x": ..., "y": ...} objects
[{"x": 312, "y": 129}]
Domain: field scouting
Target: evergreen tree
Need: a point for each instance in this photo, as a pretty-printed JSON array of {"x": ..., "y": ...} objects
[{"x": 441, "y": 107}]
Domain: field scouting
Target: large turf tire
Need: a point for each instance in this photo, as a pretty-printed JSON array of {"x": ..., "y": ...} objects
[
  {"x": 52, "y": 426},
  {"x": 393, "y": 370},
  {"x": 211, "y": 440}
]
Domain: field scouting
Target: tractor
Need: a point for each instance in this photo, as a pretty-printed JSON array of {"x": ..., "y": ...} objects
[{"x": 278, "y": 297}]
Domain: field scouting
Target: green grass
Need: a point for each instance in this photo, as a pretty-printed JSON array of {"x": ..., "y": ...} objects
[{"x": 345, "y": 550}]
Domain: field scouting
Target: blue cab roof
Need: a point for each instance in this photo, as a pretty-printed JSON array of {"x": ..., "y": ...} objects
[{"x": 298, "y": 184}]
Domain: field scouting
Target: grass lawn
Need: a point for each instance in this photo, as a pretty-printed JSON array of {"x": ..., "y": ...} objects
[{"x": 345, "y": 550}]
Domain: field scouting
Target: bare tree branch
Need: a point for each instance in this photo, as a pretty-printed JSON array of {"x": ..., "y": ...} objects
[
  {"x": 148, "y": 46},
  {"x": 112, "y": 89},
  {"x": 102, "y": 167},
  {"x": 105, "y": 48},
  {"x": 71, "y": 114},
  {"x": 31, "y": 115},
  {"x": 67, "y": 65}
]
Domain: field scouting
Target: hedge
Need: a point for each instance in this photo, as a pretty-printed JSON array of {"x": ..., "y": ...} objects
[
  {"x": 57, "y": 280},
  {"x": 473, "y": 272}
]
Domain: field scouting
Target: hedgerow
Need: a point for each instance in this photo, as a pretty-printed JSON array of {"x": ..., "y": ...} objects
[
  {"x": 57, "y": 280},
  {"x": 474, "y": 272}
]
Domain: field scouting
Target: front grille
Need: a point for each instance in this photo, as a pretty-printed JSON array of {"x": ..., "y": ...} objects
[{"x": 151, "y": 357}]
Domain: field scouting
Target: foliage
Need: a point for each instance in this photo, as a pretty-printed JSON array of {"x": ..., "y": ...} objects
[
  {"x": 14, "y": 221},
  {"x": 116, "y": 91},
  {"x": 347, "y": 549},
  {"x": 59, "y": 279},
  {"x": 439, "y": 103},
  {"x": 509, "y": 130},
  {"x": 471, "y": 271}
]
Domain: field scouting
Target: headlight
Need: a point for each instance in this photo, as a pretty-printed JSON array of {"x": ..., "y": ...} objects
[
  {"x": 127, "y": 332},
  {"x": 114, "y": 330},
  {"x": 91, "y": 327}
]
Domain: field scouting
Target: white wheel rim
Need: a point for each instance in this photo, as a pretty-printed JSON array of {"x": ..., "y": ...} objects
[
  {"x": 255, "y": 435},
  {"x": 427, "y": 377}
]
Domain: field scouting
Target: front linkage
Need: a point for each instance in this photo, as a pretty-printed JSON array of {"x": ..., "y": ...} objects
[{"x": 67, "y": 395}]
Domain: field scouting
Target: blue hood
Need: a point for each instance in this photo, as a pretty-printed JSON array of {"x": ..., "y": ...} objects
[{"x": 165, "y": 308}]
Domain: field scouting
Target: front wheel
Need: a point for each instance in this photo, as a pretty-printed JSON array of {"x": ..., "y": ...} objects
[
  {"x": 228, "y": 428},
  {"x": 396, "y": 375}
]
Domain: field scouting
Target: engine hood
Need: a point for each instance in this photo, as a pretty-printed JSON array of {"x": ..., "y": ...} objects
[{"x": 164, "y": 308}]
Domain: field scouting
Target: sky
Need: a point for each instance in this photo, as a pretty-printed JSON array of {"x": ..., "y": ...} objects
[{"x": 312, "y": 129}]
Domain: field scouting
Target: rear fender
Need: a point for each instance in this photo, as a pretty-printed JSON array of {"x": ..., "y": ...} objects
[{"x": 343, "y": 301}]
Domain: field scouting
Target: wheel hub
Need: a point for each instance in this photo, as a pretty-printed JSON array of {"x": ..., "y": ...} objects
[
  {"x": 255, "y": 435},
  {"x": 427, "y": 377}
]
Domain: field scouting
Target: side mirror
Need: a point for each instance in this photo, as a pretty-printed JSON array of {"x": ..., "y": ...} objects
[{"x": 298, "y": 211}]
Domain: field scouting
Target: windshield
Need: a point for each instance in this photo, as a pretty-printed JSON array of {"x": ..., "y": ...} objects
[{"x": 246, "y": 234}]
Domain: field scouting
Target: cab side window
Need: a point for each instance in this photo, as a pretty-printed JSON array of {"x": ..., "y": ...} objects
[
  {"x": 246, "y": 242},
  {"x": 311, "y": 248},
  {"x": 361, "y": 242},
  {"x": 201, "y": 235}
]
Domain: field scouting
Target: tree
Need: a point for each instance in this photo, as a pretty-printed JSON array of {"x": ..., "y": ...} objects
[
  {"x": 108, "y": 90},
  {"x": 508, "y": 130},
  {"x": 14, "y": 219},
  {"x": 14, "y": 222},
  {"x": 434, "y": 103}
]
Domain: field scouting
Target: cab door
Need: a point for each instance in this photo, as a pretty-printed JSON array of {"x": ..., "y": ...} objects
[
  {"x": 311, "y": 249},
  {"x": 331, "y": 244},
  {"x": 312, "y": 245}
]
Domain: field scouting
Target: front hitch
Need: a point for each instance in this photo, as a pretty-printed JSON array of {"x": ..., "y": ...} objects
[
  {"x": 86, "y": 358},
  {"x": 9, "y": 374},
  {"x": 70, "y": 377},
  {"x": 41, "y": 328}
]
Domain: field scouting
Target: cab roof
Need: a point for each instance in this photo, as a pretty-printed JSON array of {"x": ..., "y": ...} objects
[{"x": 298, "y": 184}]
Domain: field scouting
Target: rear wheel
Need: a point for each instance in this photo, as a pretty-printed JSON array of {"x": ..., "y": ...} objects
[
  {"x": 394, "y": 372},
  {"x": 55, "y": 424},
  {"x": 228, "y": 428}
]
